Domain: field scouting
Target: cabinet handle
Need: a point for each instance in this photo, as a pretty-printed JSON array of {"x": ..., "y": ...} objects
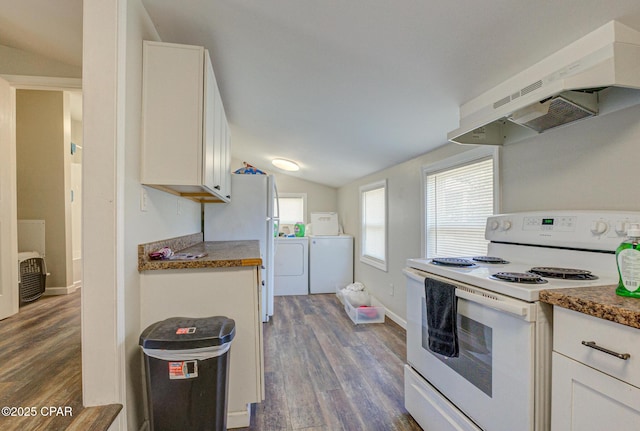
[
  {"x": 216, "y": 187},
  {"x": 593, "y": 345}
]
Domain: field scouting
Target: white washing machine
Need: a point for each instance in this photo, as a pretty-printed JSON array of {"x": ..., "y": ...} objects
[
  {"x": 330, "y": 262},
  {"x": 291, "y": 266}
]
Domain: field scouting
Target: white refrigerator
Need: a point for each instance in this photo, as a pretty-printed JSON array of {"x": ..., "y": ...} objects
[
  {"x": 252, "y": 214},
  {"x": 330, "y": 263}
]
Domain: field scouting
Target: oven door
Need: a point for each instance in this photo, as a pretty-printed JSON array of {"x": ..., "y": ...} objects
[{"x": 491, "y": 381}]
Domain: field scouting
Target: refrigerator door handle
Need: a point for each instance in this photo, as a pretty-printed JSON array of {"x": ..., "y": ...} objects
[{"x": 277, "y": 200}]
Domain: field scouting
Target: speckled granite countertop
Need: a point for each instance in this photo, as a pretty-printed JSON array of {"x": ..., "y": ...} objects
[
  {"x": 219, "y": 254},
  {"x": 600, "y": 302}
]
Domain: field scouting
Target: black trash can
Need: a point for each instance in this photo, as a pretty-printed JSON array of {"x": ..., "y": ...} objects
[{"x": 187, "y": 371}]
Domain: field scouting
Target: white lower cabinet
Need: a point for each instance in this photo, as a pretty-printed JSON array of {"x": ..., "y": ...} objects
[
  {"x": 231, "y": 292},
  {"x": 594, "y": 390}
]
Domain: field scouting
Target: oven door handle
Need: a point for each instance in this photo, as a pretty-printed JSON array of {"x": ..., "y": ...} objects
[{"x": 517, "y": 310}]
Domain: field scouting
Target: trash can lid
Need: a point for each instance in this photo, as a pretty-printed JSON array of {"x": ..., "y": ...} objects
[{"x": 183, "y": 333}]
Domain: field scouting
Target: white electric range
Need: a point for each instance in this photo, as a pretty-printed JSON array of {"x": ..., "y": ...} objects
[{"x": 501, "y": 379}]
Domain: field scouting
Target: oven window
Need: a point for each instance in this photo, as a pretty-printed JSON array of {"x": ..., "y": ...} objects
[{"x": 476, "y": 347}]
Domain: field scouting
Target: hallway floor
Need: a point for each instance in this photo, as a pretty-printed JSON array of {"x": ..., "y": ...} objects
[{"x": 40, "y": 377}]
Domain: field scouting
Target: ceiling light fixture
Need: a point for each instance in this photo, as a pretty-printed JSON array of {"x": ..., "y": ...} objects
[{"x": 285, "y": 165}]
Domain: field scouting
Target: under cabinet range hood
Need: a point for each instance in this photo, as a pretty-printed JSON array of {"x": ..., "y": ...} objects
[{"x": 564, "y": 87}]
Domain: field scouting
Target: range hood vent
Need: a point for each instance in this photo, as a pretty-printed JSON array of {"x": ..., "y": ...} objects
[
  {"x": 567, "y": 89},
  {"x": 556, "y": 111}
]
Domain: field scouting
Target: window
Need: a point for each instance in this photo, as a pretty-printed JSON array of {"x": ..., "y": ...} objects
[
  {"x": 292, "y": 208},
  {"x": 373, "y": 227},
  {"x": 459, "y": 196}
]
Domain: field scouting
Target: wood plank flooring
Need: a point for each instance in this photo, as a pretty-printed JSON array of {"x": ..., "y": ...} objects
[
  {"x": 41, "y": 368},
  {"x": 322, "y": 372}
]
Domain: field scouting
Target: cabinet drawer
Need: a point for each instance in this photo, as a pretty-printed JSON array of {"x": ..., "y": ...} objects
[{"x": 571, "y": 328}]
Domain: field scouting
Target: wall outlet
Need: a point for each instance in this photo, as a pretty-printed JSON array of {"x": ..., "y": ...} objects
[
  {"x": 144, "y": 197},
  {"x": 392, "y": 289}
]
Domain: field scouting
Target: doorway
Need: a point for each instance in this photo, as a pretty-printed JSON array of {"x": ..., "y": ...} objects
[
  {"x": 49, "y": 182},
  {"x": 37, "y": 170}
]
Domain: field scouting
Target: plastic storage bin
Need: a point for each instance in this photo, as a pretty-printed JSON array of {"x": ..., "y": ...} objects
[
  {"x": 374, "y": 313},
  {"x": 187, "y": 371}
]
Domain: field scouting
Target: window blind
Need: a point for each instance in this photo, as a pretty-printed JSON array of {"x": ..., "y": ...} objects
[
  {"x": 458, "y": 202},
  {"x": 291, "y": 210},
  {"x": 374, "y": 223}
]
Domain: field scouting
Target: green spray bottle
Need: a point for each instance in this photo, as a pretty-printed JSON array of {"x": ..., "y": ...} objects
[{"x": 628, "y": 260}]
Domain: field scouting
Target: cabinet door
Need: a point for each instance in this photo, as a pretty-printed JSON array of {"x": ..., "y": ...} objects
[
  {"x": 585, "y": 399},
  {"x": 219, "y": 110},
  {"x": 172, "y": 106},
  {"x": 215, "y": 151},
  {"x": 225, "y": 158},
  {"x": 208, "y": 151}
]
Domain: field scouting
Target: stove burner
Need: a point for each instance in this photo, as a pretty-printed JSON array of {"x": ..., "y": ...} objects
[
  {"x": 564, "y": 273},
  {"x": 452, "y": 261},
  {"x": 489, "y": 259},
  {"x": 519, "y": 277}
]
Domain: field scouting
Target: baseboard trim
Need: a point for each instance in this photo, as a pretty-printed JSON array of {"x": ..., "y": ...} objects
[
  {"x": 51, "y": 291},
  {"x": 393, "y": 316}
]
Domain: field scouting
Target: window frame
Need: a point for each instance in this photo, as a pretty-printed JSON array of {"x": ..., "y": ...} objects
[
  {"x": 302, "y": 196},
  {"x": 381, "y": 264},
  {"x": 468, "y": 157}
]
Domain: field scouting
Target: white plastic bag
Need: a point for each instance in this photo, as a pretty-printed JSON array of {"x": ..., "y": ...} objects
[{"x": 356, "y": 297}]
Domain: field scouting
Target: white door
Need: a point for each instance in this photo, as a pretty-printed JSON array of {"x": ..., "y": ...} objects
[{"x": 8, "y": 205}]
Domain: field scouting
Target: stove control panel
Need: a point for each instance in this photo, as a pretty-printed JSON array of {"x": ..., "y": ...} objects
[
  {"x": 564, "y": 224},
  {"x": 593, "y": 230}
]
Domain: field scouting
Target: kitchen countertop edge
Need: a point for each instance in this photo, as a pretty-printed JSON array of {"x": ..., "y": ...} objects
[
  {"x": 599, "y": 301},
  {"x": 219, "y": 254}
]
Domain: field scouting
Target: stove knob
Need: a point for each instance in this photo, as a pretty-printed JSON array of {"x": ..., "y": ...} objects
[
  {"x": 599, "y": 227},
  {"x": 494, "y": 225},
  {"x": 621, "y": 228},
  {"x": 506, "y": 225}
]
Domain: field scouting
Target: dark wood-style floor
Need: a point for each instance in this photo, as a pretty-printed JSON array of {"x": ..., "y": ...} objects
[
  {"x": 322, "y": 372},
  {"x": 41, "y": 368}
]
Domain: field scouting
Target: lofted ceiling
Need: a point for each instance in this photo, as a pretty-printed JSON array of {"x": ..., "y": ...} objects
[{"x": 344, "y": 87}]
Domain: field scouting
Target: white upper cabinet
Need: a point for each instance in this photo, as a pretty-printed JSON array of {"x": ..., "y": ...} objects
[{"x": 182, "y": 123}]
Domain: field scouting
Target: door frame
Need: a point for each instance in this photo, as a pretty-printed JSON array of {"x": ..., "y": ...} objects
[
  {"x": 9, "y": 215},
  {"x": 9, "y": 298}
]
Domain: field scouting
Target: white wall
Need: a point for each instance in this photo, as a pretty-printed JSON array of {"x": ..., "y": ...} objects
[
  {"x": 590, "y": 165},
  {"x": 404, "y": 218},
  {"x": 113, "y": 223},
  {"x": 587, "y": 165},
  {"x": 17, "y": 62}
]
